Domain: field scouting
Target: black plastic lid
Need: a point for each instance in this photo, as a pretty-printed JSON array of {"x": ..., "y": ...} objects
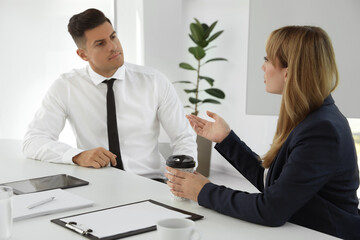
[{"x": 180, "y": 161}]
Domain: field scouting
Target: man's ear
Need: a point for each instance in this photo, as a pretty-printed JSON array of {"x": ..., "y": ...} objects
[{"x": 82, "y": 54}]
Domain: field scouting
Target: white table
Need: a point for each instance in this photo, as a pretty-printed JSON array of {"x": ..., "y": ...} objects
[{"x": 111, "y": 187}]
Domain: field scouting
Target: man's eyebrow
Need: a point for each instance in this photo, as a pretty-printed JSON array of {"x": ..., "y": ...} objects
[
  {"x": 98, "y": 41},
  {"x": 101, "y": 40}
]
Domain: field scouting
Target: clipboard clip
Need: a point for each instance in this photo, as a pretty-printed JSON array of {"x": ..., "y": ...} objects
[{"x": 78, "y": 228}]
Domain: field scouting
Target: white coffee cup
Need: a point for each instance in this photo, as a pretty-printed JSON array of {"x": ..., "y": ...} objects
[
  {"x": 6, "y": 220},
  {"x": 177, "y": 229}
]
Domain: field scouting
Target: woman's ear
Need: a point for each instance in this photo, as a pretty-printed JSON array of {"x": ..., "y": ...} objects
[
  {"x": 82, "y": 54},
  {"x": 285, "y": 74}
]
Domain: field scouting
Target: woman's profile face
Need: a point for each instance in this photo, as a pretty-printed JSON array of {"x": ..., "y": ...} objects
[{"x": 274, "y": 76}]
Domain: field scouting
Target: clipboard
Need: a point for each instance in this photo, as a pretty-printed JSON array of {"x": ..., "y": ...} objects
[{"x": 129, "y": 219}]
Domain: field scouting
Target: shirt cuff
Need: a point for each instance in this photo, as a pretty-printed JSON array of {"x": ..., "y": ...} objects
[{"x": 69, "y": 154}]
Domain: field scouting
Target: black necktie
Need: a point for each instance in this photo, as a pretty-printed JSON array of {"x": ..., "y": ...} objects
[{"x": 113, "y": 136}]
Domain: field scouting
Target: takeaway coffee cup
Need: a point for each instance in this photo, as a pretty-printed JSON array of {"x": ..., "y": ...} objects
[
  {"x": 181, "y": 162},
  {"x": 6, "y": 220},
  {"x": 177, "y": 229}
]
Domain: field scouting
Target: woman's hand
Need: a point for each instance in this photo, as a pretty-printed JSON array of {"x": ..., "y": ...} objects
[
  {"x": 185, "y": 184},
  {"x": 214, "y": 131}
]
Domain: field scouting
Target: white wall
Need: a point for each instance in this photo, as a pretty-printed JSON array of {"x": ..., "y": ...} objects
[
  {"x": 339, "y": 18},
  {"x": 35, "y": 49},
  {"x": 129, "y": 25}
]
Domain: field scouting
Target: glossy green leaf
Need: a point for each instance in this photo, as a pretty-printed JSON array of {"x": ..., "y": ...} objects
[
  {"x": 190, "y": 90},
  {"x": 196, "y": 32},
  {"x": 213, "y": 37},
  {"x": 205, "y": 27},
  {"x": 209, "y": 30},
  {"x": 209, "y": 100},
  {"x": 208, "y": 79},
  {"x": 183, "y": 82},
  {"x": 194, "y": 100},
  {"x": 193, "y": 39},
  {"x": 216, "y": 59},
  {"x": 186, "y": 66},
  {"x": 197, "y": 21},
  {"x": 203, "y": 44},
  {"x": 215, "y": 92},
  {"x": 207, "y": 49},
  {"x": 197, "y": 52}
]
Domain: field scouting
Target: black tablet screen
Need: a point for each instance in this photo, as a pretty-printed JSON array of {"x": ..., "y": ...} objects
[{"x": 45, "y": 183}]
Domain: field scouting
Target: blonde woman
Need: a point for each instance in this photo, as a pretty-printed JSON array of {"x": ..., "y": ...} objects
[{"x": 313, "y": 173}]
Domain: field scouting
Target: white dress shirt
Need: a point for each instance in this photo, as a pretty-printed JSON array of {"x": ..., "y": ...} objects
[{"x": 144, "y": 98}]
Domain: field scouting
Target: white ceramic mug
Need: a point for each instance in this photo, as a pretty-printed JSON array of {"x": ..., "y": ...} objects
[
  {"x": 6, "y": 220},
  {"x": 177, "y": 229}
]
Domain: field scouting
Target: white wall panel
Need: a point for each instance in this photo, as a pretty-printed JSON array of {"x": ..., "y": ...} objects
[
  {"x": 339, "y": 18},
  {"x": 35, "y": 49}
]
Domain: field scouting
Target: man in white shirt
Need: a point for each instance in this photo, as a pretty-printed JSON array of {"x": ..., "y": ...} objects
[{"x": 144, "y": 99}]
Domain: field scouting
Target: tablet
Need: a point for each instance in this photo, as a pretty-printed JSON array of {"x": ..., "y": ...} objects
[{"x": 45, "y": 183}]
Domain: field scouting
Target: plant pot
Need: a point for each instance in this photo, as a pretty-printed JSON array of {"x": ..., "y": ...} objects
[{"x": 204, "y": 155}]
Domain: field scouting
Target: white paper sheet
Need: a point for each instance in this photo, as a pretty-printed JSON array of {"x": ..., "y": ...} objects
[
  {"x": 123, "y": 219},
  {"x": 64, "y": 201}
]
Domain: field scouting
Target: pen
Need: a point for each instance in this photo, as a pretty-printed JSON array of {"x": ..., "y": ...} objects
[
  {"x": 41, "y": 202},
  {"x": 79, "y": 229}
]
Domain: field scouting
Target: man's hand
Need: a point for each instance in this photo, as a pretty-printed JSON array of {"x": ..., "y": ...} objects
[{"x": 96, "y": 158}]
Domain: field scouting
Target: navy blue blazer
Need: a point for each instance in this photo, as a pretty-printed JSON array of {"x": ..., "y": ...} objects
[{"x": 312, "y": 181}]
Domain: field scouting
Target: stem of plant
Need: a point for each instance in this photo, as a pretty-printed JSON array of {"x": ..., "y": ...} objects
[{"x": 197, "y": 87}]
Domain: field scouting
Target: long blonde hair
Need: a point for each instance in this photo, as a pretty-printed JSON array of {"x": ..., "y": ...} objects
[{"x": 312, "y": 75}]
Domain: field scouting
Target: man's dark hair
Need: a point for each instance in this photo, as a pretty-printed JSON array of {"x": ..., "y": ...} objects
[{"x": 79, "y": 23}]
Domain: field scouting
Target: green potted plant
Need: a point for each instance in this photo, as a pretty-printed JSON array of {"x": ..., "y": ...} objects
[{"x": 201, "y": 35}]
